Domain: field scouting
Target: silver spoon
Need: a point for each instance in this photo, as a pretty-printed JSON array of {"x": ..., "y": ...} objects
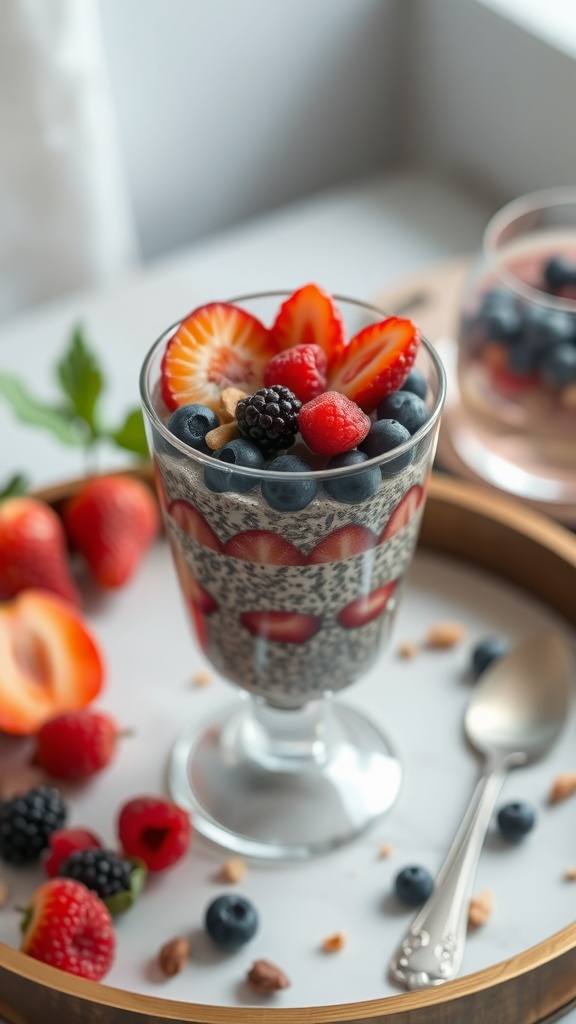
[{"x": 514, "y": 717}]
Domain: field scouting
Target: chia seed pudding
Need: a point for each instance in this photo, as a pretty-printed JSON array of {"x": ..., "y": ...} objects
[{"x": 291, "y": 605}]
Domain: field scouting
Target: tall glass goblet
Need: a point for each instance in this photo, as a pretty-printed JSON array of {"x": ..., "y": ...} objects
[{"x": 291, "y": 607}]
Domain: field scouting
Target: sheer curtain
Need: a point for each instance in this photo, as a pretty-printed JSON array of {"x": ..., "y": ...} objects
[{"x": 65, "y": 216}]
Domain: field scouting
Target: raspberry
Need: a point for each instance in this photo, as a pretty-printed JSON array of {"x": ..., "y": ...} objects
[
  {"x": 65, "y": 841},
  {"x": 27, "y": 822},
  {"x": 331, "y": 424},
  {"x": 76, "y": 744},
  {"x": 68, "y": 927},
  {"x": 115, "y": 879},
  {"x": 302, "y": 369},
  {"x": 155, "y": 830},
  {"x": 269, "y": 418}
]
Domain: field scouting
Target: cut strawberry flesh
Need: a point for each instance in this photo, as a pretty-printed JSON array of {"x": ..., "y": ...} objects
[
  {"x": 376, "y": 362},
  {"x": 263, "y": 547},
  {"x": 217, "y": 346},
  {"x": 281, "y": 627},
  {"x": 403, "y": 513},
  {"x": 309, "y": 317}
]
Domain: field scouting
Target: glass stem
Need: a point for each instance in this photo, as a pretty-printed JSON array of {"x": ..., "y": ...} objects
[{"x": 285, "y": 740}]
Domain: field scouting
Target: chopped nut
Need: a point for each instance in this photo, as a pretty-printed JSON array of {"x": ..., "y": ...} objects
[
  {"x": 233, "y": 870},
  {"x": 202, "y": 678},
  {"x": 174, "y": 956},
  {"x": 386, "y": 850},
  {"x": 570, "y": 874},
  {"x": 562, "y": 787},
  {"x": 3, "y": 893},
  {"x": 443, "y": 635},
  {"x": 407, "y": 649},
  {"x": 228, "y": 401},
  {"x": 480, "y": 908},
  {"x": 334, "y": 943},
  {"x": 266, "y": 977},
  {"x": 221, "y": 435}
]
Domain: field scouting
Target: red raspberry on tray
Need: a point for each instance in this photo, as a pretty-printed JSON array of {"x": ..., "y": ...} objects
[
  {"x": 76, "y": 744},
  {"x": 302, "y": 369},
  {"x": 154, "y": 829},
  {"x": 65, "y": 841},
  {"x": 331, "y": 424},
  {"x": 68, "y": 927}
]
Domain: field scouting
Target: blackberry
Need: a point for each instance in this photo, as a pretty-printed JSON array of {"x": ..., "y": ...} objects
[
  {"x": 103, "y": 871},
  {"x": 27, "y": 822},
  {"x": 269, "y": 418}
]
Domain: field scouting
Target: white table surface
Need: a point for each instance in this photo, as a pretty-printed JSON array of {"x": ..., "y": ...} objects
[{"x": 355, "y": 241}]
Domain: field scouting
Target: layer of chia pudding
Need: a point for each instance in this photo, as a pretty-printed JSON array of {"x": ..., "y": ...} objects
[{"x": 290, "y": 633}]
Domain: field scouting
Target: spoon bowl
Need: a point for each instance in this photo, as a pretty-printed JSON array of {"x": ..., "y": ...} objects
[{"x": 521, "y": 702}]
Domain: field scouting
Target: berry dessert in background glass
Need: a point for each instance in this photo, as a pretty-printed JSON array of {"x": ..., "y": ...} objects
[
  {"x": 516, "y": 424},
  {"x": 292, "y": 437}
]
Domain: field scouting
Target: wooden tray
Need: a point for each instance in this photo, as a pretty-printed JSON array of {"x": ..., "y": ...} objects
[{"x": 523, "y": 548}]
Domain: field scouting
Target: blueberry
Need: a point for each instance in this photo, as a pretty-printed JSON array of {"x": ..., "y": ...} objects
[
  {"x": 498, "y": 296},
  {"x": 416, "y": 383},
  {"x": 406, "y": 408},
  {"x": 524, "y": 356},
  {"x": 558, "y": 366},
  {"x": 356, "y": 488},
  {"x": 191, "y": 423},
  {"x": 516, "y": 820},
  {"x": 231, "y": 921},
  {"x": 384, "y": 436},
  {"x": 288, "y": 495},
  {"x": 547, "y": 327},
  {"x": 413, "y": 885},
  {"x": 501, "y": 320},
  {"x": 236, "y": 453},
  {"x": 486, "y": 651},
  {"x": 559, "y": 272}
]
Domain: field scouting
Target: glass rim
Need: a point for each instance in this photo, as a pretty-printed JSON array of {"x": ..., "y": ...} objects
[
  {"x": 542, "y": 199},
  {"x": 314, "y": 474}
]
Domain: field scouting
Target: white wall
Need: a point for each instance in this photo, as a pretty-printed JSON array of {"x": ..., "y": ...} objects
[
  {"x": 228, "y": 108},
  {"x": 492, "y": 104}
]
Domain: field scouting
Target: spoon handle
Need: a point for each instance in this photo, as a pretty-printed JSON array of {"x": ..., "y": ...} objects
[{"x": 433, "y": 947}]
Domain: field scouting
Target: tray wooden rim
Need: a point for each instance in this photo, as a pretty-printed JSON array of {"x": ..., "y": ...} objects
[{"x": 523, "y": 989}]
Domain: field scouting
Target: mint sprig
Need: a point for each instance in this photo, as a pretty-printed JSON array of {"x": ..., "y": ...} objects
[
  {"x": 15, "y": 486},
  {"x": 75, "y": 419}
]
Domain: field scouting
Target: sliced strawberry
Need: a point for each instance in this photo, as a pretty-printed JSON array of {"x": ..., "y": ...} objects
[
  {"x": 281, "y": 627},
  {"x": 199, "y": 624},
  {"x": 402, "y": 514},
  {"x": 366, "y": 608},
  {"x": 346, "y": 542},
  {"x": 191, "y": 589},
  {"x": 192, "y": 522},
  {"x": 216, "y": 347},
  {"x": 376, "y": 362},
  {"x": 264, "y": 547},
  {"x": 309, "y": 317}
]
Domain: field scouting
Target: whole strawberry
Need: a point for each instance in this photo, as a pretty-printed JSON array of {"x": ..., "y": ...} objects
[
  {"x": 112, "y": 521},
  {"x": 33, "y": 551},
  {"x": 68, "y": 927},
  {"x": 76, "y": 744}
]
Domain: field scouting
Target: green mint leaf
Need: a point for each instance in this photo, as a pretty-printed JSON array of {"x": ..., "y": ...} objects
[
  {"x": 81, "y": 379},
  {"x": 131, "y": 435},
  {"x": 29, "y": 410},
  {"x": 16, "y": 485}
]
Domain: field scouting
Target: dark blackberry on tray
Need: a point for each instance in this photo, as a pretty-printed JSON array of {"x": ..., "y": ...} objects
[{"x": 27, "y": 822}]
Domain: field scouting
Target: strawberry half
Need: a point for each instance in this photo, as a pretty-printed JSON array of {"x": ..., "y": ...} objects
[
  {"x": 216, "y": 347},
  {"x": 345, "y": 542},
  {"x": 309, "y": 317},
  {"x": 376, "y": 362}
]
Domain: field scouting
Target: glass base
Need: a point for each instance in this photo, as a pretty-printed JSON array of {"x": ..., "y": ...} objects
[{"x": 283, "y": 784}]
